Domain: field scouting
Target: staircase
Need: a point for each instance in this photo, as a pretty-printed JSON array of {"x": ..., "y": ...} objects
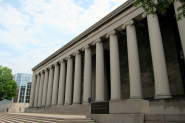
[
  {"x": 16, "y": 107},
  {"x": 67, "y": 109},
  {"x": 30, "y": 118}
]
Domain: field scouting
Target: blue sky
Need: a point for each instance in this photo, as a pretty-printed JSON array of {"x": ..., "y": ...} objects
[{"x": 31, "y": 30}]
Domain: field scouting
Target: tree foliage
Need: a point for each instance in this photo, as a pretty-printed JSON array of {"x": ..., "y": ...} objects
[
  {"x": 150, "y": 6},
  {"x": 8, "y": 87}
]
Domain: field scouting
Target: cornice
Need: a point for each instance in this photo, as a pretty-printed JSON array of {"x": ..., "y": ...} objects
[{"x": 108, "y": 17}]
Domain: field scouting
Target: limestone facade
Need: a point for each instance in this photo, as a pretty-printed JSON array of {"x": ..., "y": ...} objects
[{"x": 127, "y": 54}]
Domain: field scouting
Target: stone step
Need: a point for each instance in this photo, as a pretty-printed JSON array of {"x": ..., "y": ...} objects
[
  {"x": 67, "y": 109},
  {"x": 45, "y": 119},
  {"x": 40, "y": 117},
  {"x": 24, "y": 118}
]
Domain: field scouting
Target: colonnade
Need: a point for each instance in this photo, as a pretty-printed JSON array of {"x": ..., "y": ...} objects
[{"x": 47, "y": 91}]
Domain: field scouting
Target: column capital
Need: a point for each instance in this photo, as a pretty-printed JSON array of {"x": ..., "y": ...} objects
[
  {"x": 97, "y": 41},
  {"x": 42, "y": 72},
  {"x": 129, "y": 23},
  {"x": 61, "y": 61},
  {"x": 144, "y": 14},
  {"x": 68, "y": 57},
  {"x": 50, "y": 67},
  {"x": 38, "y": 74},
  {"x": 85, "y": 47},
  {"x": 55, "y": 64},
  {"x": 45, "y": 70},
  {"x": 75, "y": 53},
  {"x": 110, "y": 33}
]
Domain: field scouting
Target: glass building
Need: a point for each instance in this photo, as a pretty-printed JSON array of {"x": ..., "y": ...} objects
[{"x": 24, "y": 86}]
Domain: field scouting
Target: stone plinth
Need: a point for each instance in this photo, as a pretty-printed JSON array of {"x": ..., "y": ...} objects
[
  {"x": 34, "y": 109},
  {"x": 129, "y": 106},
  {"x": 167, "y": 106},
  {"x": 117, "y": 118}
]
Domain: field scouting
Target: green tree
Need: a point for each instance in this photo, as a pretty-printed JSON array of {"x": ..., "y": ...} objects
[
  {"x": 8, "y": 87},
  {"x": 161, "y": 6}
]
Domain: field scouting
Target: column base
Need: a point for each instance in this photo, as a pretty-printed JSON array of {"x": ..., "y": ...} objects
[
  {"x": 47, "y": 106},
  {"x": 67, "y": 103},
  {"x": 59, "y": 104},
  {"x": 39, "y": 106},
  {"x": 53, "y": 104},
  {"x": 100, "y": 101},
  {"x": 136, "y": 97},
  {"x": 115, "y": 99},
  {"x": 76, "y": 103},
  {"x": 85, "y": 103},
  {"x": 161, "y": 96}
]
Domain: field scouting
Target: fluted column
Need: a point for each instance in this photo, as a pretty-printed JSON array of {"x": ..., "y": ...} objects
[
  {"x": 87, "y": 75},
  {"x": 99, "y": 71},
  {"x": 133, "y": 61},
  {"x": 69, "y": 81},
  {"x": 162, "y": 89},
  {"x": 114, "y": 66},
  {"x": 77, "y": 79},
  {"x": 40, "y": 90},
  {"x": 62, "y": 83},
  {"x": 44, "y": 94},
  {"x": 50, "y": 86},
  {"x": 33, "y": 88},
  {"x": 181, "y": 26},
  {"x": 37, "y": 90},
  {"x": 55, "y": 85}
]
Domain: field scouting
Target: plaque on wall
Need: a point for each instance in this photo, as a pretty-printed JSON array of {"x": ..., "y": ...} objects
[{"x": 100, "y": 108}]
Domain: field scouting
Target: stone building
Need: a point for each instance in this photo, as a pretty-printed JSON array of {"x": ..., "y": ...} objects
[{"x": 126, "y": 55}]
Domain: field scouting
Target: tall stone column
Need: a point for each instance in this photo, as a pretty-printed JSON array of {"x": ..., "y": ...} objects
[
  {"x": 62, "y": 83},
  {"x": 40, "y": 90},
  {"x": 99, "y": 71},
  {"x": 114, "y": 66},
  {"x": 133, "y": 61},
  {"x": 50, "y": 86},
  {"x": 181, "y": 26},
  {"x": 44, "y": 94},
  {"x": 87, "y": 75},
  {"x": 69, "y": 81},
  {"x": 37, "y": 90},
  {"x": 77, "y": 78},
  {"x": 33, "y": 88},
  {"x": 55, "y": 85},
  {"x": 162, "y": 89}
]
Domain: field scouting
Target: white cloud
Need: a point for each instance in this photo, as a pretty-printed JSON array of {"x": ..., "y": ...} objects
[{"x": 38, "y": 28}]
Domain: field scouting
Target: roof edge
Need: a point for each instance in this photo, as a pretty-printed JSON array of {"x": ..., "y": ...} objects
[{"x": 86, "y": 32}]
